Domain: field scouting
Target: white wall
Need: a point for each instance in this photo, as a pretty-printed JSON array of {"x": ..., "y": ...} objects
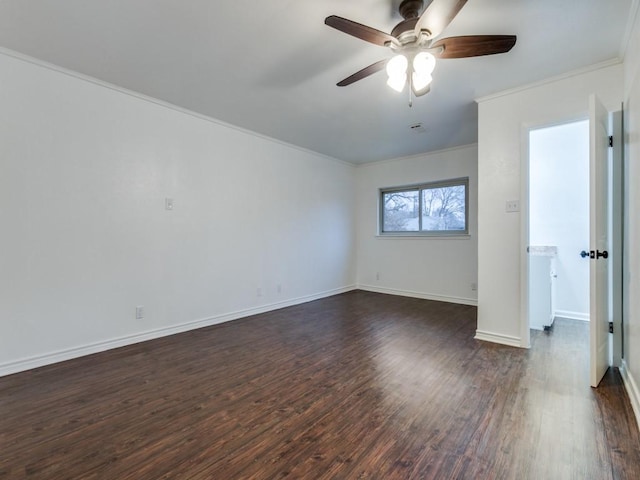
[
  {"x": 426, "y": 267},
  {"x": 84, "y": 171},
  {"x": 631, "y": 283},
  {"x": 504, "y": 121},
  {"x": 559, "y": 209}
]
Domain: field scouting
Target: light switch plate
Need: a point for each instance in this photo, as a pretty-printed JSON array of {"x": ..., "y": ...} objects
[{"x": 512, "y": 206}]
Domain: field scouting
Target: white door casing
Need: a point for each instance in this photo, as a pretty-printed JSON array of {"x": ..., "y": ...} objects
[{"x": 599, "y": 241}]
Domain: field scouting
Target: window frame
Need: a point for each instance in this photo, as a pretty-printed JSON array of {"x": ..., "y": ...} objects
[{"x": 453, "y": 182}]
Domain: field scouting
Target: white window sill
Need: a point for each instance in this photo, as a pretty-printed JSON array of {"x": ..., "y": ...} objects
[{"x": 459, "y": 236}]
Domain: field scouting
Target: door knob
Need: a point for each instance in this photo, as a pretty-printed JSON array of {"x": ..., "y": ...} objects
[{"x": 594, "y": 254}]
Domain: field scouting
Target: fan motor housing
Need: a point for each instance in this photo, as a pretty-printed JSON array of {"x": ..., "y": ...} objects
[
  {"x": 410, "y": 9},
  {"x": 403, "y": 29}
]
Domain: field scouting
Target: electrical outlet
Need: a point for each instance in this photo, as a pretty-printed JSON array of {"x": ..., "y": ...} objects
[
  {"x": 377, "y": 275},
  {"x": 139, "y": 312},
  {"x": 279, "y": 288},
  {"x": 474, "y": 286},
  {"x": 168, "y": 203},
  {"x": 258, "y": 292}
]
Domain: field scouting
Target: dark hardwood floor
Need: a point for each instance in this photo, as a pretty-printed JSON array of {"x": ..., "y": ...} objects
[{"x": 356, "y": 386}]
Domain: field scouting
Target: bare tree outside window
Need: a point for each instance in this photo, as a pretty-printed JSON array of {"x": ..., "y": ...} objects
[
  {"x": 401, "y": 211},
  {"x": 444, "y": 208},
  {"x": 428, "y": 209}
]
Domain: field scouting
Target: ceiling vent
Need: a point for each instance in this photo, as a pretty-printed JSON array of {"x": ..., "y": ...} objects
[{"x": 417, "y": 128}]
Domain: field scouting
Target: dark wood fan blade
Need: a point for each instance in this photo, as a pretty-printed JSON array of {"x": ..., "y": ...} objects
[
  {"x": 365, "y": 72},
  {"x": 474, "y": 45},
  {"x": 437, "y": 15},
  {"x": 358, "y": 30}
]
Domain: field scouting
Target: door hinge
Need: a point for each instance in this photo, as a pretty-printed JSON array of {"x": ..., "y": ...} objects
[
  {"x": 610, "y": 327},
  {"x": 610, "y": 140}
]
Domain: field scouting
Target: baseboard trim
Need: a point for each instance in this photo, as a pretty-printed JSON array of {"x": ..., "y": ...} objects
[
  {"x": 75, "y": 352},
  {"x": 498, "y": 338},
  {"x": 424, "y": 296},
  {"x": 632, "y": 390},
  {"x": 584, "y": 317}
]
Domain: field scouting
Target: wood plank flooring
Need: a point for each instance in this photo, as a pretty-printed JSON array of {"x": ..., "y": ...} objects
[{"x": 356, "y": 386}]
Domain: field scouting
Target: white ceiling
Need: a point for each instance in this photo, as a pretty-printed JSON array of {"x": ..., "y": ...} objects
[{"x": 271, "y": 66}]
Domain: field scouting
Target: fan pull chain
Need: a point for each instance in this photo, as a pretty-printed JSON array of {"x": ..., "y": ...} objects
[{"x": 410, "y": 91}]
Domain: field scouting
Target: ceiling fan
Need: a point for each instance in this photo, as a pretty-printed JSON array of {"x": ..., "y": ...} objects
[{"x": 415, "y": 45}]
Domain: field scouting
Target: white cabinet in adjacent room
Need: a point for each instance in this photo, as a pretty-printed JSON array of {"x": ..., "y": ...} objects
[{"x": 542, "y": 278}]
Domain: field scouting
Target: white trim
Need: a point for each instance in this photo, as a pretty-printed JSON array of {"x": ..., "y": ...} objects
[
  {"x": 415, "y": 156},
  {"x": 584, "y": 317},
  {"x": 425, "y": 296},
  {"x": 110, "y": 86},
  {"x": 564, "y": 76},
  {"x": 448, "y": 236},
  {"x": 616, "y": 232},
  {"x": 631, "y": 68},
  {"x": 498, "y": 338},
  {"x": 632, "y": 390},
  {"x": 525, "y": 161},
  {"x": 631, "y": 20},
  {"x": 75, "y": 352},
  {"x": 523, "y": 257}
]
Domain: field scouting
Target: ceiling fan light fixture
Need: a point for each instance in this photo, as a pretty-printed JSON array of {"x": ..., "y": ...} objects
[
  {"x": 416, "y": 36},
  {"x": 424, "y": 63},
  {"x": 421, "y": 81},
  {"x": 397, "y": 83},
  {"x": 397, "y": 72}
]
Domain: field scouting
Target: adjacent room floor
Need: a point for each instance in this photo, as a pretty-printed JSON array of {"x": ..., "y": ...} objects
[{"x": 356, "y": 386}]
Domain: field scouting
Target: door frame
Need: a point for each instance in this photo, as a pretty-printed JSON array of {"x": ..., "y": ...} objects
[
  {"x": 600, "y": 269},
  {"x": 616, "y": 237}
]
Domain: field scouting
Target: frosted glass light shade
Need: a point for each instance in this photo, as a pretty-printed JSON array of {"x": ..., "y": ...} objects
[
  {"x": 397, "y": 83},
  {"x": 421, "y": 81},
  {"x": 397, "y": 71},
  {"x": 397, "y": 66},
  {"x": 423, "y": 65}
]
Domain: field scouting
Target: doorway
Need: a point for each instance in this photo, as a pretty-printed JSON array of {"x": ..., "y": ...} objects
[{"x": 558, "y": 278}]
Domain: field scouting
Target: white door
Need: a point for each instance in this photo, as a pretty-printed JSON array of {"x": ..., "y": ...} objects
[{"x": 599, "y": 242}]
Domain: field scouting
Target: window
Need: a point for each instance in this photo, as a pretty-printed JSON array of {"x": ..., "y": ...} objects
[{"x": 438, "y": 208}]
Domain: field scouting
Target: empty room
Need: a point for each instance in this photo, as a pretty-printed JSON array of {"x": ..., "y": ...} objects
[{"x": 309, "y": 240}]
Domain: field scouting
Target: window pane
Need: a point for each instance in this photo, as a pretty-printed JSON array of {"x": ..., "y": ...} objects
[
  {"x": 443, "y": 208},
  {"x": 400, "y": 211}
]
